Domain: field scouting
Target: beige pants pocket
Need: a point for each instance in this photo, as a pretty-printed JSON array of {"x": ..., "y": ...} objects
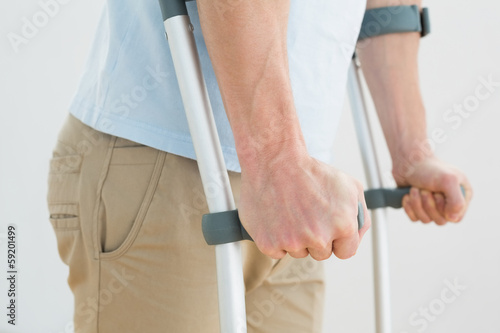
[{"x": 126, "y": 192}]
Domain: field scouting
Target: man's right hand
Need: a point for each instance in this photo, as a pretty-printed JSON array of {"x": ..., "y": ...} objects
[{"x": 298, "y": 205}]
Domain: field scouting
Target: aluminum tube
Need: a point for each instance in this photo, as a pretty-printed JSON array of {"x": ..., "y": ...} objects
[
  {"x": 379, "y": 228},
  {"x": 212, "y": 168}
]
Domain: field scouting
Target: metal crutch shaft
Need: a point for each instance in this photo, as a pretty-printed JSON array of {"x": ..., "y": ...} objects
[
  {"x": 381, "y": 275},
  {"x": 211, "y": 163}
]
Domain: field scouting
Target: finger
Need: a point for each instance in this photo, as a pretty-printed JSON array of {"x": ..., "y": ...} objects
[
  {"x": 439, "y": 200},
  {"x": 416, "y": 205},
  {"x": 346, "y": 239},
  {"x": 299, "y": 253},
  {"x": 407, "y": 207},
  {"x": 429, "y": 206},
  {"x": 345, "y": 246},
  {"x": 322, "y": 253},
  {"x": 276, "y": 254},
  {"x": 271, "y": 251},
  {"x": 454, "y": 199}
]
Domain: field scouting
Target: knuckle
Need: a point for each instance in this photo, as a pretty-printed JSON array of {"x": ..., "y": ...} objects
[
  {"x": 321, "y": 243},
  {"x": 294, "y": 250},
  {"x": 346, "y": 230},
  {"x": 450, "y": 179},
  {"x": 268, "y": 249},
  {"x": 293, "y": 246}
]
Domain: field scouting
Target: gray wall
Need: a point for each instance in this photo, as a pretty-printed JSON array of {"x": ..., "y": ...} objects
[{"x": 36, "y": 85}]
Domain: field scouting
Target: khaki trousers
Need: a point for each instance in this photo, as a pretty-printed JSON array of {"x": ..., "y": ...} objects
[{"x": 127, "y": 219}]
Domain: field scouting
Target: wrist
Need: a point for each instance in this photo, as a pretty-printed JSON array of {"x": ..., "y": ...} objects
[
  {"x": 405, "y": 162},
  {"x": 268, "y": 135},
  {"x": 261, "y": 156}
]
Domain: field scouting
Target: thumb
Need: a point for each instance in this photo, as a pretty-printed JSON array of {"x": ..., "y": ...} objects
[{"x": 454, "y": 199}]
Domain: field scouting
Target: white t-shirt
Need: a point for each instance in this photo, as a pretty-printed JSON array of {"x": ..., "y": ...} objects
[{"x": 129, "y": 89}]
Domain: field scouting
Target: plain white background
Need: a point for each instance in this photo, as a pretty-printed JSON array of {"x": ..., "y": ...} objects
[{"x": 36, "y": 85}]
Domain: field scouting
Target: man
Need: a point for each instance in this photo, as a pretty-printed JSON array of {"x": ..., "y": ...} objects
[{"x": 125, "y": 197}]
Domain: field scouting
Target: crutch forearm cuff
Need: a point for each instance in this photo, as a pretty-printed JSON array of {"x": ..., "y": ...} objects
[
  {"x": 395, "y": 19},
  {"x": 171, "y": 8}
]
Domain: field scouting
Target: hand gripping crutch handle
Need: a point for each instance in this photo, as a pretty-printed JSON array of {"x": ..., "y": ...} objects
[{"x": 226, "y": 227}]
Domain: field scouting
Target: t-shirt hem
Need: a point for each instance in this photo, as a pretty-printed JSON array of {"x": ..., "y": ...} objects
[{"x": 148, "y": 135}]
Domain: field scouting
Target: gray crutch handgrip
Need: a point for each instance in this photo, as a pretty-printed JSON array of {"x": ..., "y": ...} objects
[{"x": 226, "y": 227}]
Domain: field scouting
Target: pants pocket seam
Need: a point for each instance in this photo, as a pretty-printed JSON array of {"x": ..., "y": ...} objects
[
  {"x": 141, "y": 215},
  {"x": 95, "y": 216}
]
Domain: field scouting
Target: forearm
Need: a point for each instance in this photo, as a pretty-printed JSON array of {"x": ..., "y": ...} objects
[
  {"x": 391, "y": 71},
  {"x": 246, "y": 41},
  {"x": 289, "y": 202}
]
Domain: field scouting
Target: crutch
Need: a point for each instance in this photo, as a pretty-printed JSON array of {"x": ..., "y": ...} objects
[
  {"x": 222, "y": 227},
  {"x": 211, "y": 163},
  {"x": 377, "y": 22}
]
